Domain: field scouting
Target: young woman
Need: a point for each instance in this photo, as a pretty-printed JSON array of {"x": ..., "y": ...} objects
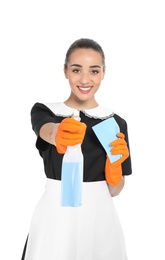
[{"x": 91, "y": 231}]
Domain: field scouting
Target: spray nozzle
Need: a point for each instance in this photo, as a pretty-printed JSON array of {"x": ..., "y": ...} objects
[{"x": 76, "y": 115}]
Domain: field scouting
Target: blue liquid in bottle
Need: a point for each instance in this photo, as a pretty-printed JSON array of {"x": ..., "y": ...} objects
[{"x": 71, "y": 185}]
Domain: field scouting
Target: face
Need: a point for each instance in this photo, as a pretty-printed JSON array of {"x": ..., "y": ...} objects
[{"x": 85, "y": 71}]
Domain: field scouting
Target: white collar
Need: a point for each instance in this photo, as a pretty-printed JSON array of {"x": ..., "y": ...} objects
[{"x": 60, "y": 109}]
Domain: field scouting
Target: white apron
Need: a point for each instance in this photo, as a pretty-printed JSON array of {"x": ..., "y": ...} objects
[{"x": 89, "y": 232}]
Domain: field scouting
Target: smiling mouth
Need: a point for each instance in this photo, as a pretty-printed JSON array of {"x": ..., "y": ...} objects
[{"x": 83, "y": 89}]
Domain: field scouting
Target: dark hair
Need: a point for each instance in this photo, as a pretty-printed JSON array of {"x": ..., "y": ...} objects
[{"x": 84, "y": 43}]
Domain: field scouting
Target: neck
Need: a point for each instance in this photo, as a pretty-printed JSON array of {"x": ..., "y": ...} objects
[{"x": 80, "y": 105}]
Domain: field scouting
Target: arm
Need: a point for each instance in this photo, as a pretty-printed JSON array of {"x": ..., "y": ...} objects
[
  {"x": 68, "y": 132},
  {"x": 115, "y": 190},
  {"x": 113, "y": 171},
  {"x": 48, "y": 132}
]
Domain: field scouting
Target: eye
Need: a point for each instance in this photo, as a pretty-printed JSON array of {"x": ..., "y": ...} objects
[
  {"x": 94, "y": 72},
  {"x": 76, "y": 70}
]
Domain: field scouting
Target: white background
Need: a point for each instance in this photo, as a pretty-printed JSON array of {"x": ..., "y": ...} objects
[{"x": 34, "y": 37}]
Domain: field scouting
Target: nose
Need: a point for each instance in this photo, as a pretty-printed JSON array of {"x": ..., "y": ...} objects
[{"x": 85, "y": 78}]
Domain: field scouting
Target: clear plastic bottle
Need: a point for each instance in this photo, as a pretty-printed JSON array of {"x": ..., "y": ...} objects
[{"x": 72, "y": 174}]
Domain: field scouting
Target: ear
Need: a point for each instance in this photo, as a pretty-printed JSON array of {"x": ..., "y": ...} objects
[
  {"x": 103, "y": 74},
  {"x": 65, "y": 72}
]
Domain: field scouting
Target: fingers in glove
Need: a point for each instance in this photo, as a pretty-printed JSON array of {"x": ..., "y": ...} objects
[
  {"x": 120, "y": 135},
  {"x": 61, "y": 149},
  {"x": 70, "y": 139},
  {"x": 70, "y": 135},
  {"x": 125, "y": 155},
  {"x": 72, "y": 125},
  {"x": 121, "y": 149},
  {"x": 118, "y": 142}
]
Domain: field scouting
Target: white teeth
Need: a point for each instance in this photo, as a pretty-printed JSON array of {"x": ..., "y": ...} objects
[{"x": 84, "y": 88}]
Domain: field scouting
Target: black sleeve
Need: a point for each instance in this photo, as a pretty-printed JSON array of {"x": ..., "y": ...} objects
[
  {"x": 40, "y": 115},
  {"x": 126, "y": 165}
]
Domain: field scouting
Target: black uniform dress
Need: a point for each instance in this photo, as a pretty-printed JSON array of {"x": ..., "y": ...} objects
[{"x": 89, "y": 232}]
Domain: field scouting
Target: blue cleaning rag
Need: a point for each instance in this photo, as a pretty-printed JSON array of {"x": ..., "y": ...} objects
[{"x": 106, "y": 133}]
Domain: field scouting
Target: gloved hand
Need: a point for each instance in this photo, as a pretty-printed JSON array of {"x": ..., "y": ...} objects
[
  {"x": 113, "y": 171},
  {"x": 69, "y": 133}
]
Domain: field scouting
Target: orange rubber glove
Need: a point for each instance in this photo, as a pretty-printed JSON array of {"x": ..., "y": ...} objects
[
  {"x": 69, "y": 132},
  {"x": 113, "y": 171}
]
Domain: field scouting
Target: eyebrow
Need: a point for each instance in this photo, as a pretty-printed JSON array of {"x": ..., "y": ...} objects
[{"x": 78, "y": 65}]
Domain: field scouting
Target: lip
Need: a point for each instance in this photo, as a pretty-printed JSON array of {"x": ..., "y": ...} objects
[{"x": 84, "y": 89}]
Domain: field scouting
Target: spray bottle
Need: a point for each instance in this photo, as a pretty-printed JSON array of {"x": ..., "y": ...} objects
[{"x": 72, "y": 174}]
